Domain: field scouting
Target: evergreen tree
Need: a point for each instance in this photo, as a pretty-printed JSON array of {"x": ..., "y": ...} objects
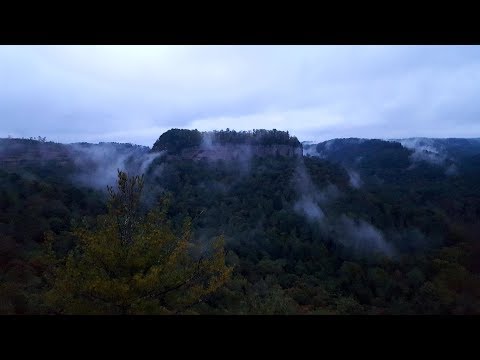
[{"x": 132, "y": 263}]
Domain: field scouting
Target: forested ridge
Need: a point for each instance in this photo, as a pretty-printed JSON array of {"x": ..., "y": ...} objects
[
  {"x": 176, "y": 140},
  {"x": 357, "y": 226}
]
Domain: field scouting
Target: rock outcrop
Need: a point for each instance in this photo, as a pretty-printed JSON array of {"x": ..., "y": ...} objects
[{"x": 232, "y": 152}]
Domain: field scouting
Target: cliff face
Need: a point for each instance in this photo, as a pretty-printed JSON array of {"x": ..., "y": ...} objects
[{"x": 232, "y": 152}]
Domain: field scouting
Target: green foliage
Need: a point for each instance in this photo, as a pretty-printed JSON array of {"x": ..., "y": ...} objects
[
  {"x": 132, "y": 264},
  {"x": 176, "y": 140},
  {"x": 255, "y": 137},
  {"x": 125, "y": 255}
]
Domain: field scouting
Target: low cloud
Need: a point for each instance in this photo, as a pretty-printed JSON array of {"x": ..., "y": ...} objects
[
  {"x": 309, "y": 208},
  {"x": 425, "y": 150},
  {"x": 311, "y": 199},
  {"x": 354, "y": 178},
  {"x": 362, "y": 237},
  {"x": 97, "y": 165}
]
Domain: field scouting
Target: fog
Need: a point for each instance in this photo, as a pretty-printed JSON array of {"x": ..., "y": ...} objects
[
  {"x": 308, "y": 207},
  {"x": 362, "y": 237},
  {"x": 424, "y": 150},
  {"x": 98, "y": 164},
  {"x": 354, "y": 178},
  {"x": 310, "y": 197}
]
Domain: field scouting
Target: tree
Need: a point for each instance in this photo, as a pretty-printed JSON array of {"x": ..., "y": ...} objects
[{"x": 131, "y": 263}]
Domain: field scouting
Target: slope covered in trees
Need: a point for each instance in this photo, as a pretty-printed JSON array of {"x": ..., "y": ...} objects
[{"x": 362, "y": 227}]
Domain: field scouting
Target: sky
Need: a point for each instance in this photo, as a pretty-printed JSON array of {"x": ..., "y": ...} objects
[{"x": 135, "y": 93}]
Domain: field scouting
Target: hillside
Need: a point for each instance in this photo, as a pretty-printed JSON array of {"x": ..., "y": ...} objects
[{"x": 357, "y": 226}]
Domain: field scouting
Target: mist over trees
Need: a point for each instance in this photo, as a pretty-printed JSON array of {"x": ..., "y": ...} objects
[{"x": 283, "y": 235}]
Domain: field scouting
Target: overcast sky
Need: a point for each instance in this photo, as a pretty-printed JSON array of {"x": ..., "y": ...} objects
[{"x": 134, "y": 93}]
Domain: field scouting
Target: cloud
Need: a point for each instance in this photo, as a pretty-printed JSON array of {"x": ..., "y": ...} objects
[
  {"x": 362, "y": 237},
  {"x": 308, "y": 207},
  {"x": 133, "y": 93},
  {"x": 97, "y": 164},
  {"x": 310, "y": 197},
  {"x": 425, "y": 150},
  {"x": 354, "y": 178}
]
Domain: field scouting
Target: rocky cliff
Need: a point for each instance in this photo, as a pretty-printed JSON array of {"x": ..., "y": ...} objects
[{"x": 234, "y": 152}]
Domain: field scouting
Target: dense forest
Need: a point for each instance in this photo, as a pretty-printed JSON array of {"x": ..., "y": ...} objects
[{"x": 355, "y": 226}]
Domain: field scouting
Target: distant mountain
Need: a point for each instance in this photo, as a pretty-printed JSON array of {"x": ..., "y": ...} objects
[
  {"x": 88, "y": 163},
  {"x": 419, "y": 156},
  {"x": 435, "y": 169},
  {"x": 354, "y": 151},
  {"x": 372, "y": 160},
  {"x": 442, "y": 149}
]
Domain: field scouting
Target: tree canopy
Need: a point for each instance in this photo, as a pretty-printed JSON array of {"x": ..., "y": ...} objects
[
  {"x": 175, "y": 140},
  {"x": 130, "y": 263}
]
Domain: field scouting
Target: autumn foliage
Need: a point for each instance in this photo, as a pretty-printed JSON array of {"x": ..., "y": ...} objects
[{"x": 132, "y": 263}]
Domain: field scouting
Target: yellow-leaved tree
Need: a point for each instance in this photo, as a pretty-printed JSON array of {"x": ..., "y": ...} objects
[{"x": 132, "y": 263}]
